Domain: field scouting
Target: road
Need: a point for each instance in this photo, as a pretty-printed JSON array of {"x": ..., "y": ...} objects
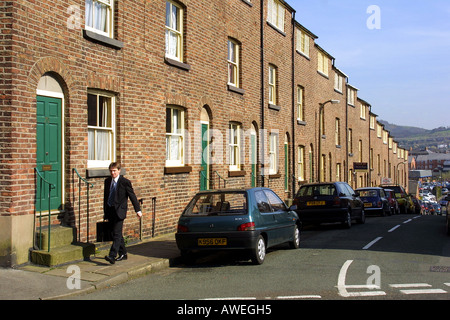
[{"x": 397, "y": 257}]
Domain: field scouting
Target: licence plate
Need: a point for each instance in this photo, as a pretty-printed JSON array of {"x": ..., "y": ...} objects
[
  {"x": 315, "y": 203},
  {"x": 212, "y": 242},
  {"x": 367, "y": 204}
]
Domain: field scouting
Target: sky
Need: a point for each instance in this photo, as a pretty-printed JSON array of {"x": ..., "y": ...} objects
[{"x": 397, "y": 55}]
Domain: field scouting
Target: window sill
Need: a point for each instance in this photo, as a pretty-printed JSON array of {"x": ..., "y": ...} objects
[
  {"x": 177, "y": 170},
  {"x": 274, "y": 107},
  {"x": 276, "y": 28},
  {"x": 274, "y": 175},
  {"x": 238, "y": 173},
  {"x": 301, "y": 122},
  {"x": 235, "y": 89},
  {"x": 178, "y": 64},
  {"x": 101, "y": 172},
  {"x": 323, "y": 74},
  {"x": 103, "y": 40},
  {"x": 303, "y": 54}
]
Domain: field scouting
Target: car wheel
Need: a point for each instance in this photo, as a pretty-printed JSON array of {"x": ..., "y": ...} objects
[
  {"x": 362, "y": 220},
  {"x": 295, "y": 244},
  {"x": 348, "y": 222},
  {"x": 259, "y": 252}
]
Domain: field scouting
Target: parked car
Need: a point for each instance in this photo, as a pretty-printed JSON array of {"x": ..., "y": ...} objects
[
  {"x": 437, "y": 209},
  {"x": 393, "y": 203},
  {"x": 417, "y": 205},
  {"x": 375, "y": 200},
  {"x": 329, "y": 202},
  {"x": 239, "y": 219},
  {"x": 404, "y": 202}
]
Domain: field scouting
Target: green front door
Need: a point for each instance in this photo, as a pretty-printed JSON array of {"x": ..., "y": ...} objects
[
  {"x": 204, "y": 172},
  {"x": 48, "y": 158}
]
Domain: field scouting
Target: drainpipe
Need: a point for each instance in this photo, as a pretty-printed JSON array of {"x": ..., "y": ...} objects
[
  {"x": 261, "y": 139},
  {"x": 293, "y": 107}
]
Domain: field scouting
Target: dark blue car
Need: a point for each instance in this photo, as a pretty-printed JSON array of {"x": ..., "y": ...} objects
[{"x": 237, "y": 219}]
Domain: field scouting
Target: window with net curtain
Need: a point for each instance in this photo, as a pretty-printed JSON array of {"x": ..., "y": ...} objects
[
  {"x": 174, "y": 136},
  {"x": 98, "y": 15},
  {"x": 174, "y": 32},
  {"x": 100, "y": 130}
]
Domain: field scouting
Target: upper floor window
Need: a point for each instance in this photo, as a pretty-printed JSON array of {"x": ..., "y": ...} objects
[
  {"x": 362, "y": 112},
  {"x": 101, "y": 129},
  {"x": 99, "y": 16},
  {"x": 275, "y": 14},
  {"x": 233, "y": 63},
  {"x": 174, "y": 136},
  {"x": 351, "y": 96},
  {"x": 338, "y": 81},
  {"x": 322, "y": 63},
  {"x": 300, "y": 104},
  {"x": 272, "y": 84},
  {"x": 174, "y": 31},
  {"x": 302, "y": 42}
]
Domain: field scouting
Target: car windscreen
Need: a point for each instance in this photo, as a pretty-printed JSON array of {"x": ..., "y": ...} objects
[
  {"x": 223, "y": 203},
  {"x": 317, "y": 190}
]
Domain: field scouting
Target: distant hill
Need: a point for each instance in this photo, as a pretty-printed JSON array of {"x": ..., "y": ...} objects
[{"x": 419, "y": 138}]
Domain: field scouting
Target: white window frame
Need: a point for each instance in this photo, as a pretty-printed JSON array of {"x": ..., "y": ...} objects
[
  {"x": 338, "y": 132},
  {"x": 338, "y": 82},
  {"x": 300, "y": 103},
  {"x": 301, "y": 163},
  {"x": 176, "y": 131},
  {"x": 109, "y": 23},
  {"x": 351, "y": 97},
  {"x": 322, "y": 63},
  {"x": 95, "y": 130},
  {"x": 234, "y": 146},
  {"x": 275, "y": 14},
  {"x": 233, "y": 62},
  {"x": 303, "y": 42},
  {"x": 363, "y": 112},
  {"x": 175, "y": 29},
  {"x": 273, "y": 153},
  {"x": 272, "y": 84}
]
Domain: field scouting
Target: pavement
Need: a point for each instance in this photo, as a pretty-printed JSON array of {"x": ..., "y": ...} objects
[{"x": 33, "y": 282}]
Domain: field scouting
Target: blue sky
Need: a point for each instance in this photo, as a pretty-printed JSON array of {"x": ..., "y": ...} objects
[{"x": 401, "y": 69}]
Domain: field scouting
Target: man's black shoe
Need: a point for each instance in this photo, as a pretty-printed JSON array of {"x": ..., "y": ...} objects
[
  {"x": 122, "y": 257},
  {"x": 110, "y": 259}
]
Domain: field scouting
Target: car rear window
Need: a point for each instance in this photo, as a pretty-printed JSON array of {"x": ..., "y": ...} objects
[
  {"x": 317, "y": 190},
  {"x": 210, "y": 204},
  {"x": 368, "y": 193}
]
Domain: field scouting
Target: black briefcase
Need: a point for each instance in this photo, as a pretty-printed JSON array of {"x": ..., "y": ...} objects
[{"x": 104, "y": 232}]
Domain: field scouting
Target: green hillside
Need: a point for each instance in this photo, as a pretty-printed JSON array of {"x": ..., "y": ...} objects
[{"x": 419, "y": 138}]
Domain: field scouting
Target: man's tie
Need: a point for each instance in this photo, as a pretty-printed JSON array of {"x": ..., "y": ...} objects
[{"x": 112, "y": 193}]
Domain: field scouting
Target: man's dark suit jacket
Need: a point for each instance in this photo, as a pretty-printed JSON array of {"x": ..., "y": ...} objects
[{"x": 123, "y": 192}]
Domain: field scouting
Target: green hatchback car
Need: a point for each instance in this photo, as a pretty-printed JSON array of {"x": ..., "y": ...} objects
[{"x": 237, "y": 219}]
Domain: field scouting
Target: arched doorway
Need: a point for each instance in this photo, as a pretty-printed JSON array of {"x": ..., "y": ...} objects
[{"x": 49, "y": 142}]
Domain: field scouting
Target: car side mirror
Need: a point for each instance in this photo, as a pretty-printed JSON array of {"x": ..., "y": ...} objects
[
  {"x": 356, "y": 194},
  {"x": 293, "y": 207}
]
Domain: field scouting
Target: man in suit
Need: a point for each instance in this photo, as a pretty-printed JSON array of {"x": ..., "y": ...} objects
[{"x": 118, "y": 190}]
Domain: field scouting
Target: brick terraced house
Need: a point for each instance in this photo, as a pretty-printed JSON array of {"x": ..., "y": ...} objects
[{"x": 187, "y": 95}]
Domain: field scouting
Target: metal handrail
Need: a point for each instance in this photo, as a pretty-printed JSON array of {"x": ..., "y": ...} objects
[
  {"x": 88, "y": 185},
  {"x": 50, "y": 187},
  {"x": 221, "y": 178}
]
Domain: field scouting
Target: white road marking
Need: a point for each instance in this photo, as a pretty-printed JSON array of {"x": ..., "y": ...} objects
[
  {"x": 299, "y": 297},
  {"x": 397, "y": 226},
  {"x": 342, "y": 287},
  {"x": 372, "y": 243},
  {"x": 417, "y": 291}
]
